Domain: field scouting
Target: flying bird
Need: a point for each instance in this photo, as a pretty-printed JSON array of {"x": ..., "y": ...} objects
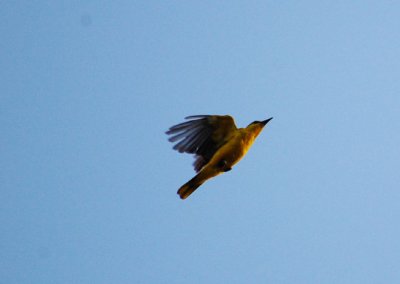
[{"x": 216, "y": 142}]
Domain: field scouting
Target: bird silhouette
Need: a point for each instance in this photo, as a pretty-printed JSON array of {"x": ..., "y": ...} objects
[{"x": 216, "y": 143}]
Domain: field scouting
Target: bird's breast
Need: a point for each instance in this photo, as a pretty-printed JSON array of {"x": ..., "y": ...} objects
[{"x": 235, "y": 149}]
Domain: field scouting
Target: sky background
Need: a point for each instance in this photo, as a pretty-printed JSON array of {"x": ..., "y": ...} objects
[{"x": 88, "y": 179}]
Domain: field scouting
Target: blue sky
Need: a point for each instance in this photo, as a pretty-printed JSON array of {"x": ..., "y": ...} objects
[{"x": 89, "y": 180}]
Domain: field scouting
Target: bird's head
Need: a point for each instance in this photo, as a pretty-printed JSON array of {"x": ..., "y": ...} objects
[{"x": 257, "y": 126}]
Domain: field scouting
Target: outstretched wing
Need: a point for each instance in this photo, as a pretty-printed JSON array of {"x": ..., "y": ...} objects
[{"x": 202, "y": 135}]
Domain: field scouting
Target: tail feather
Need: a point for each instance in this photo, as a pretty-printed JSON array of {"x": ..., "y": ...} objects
[{"x": 188, "y": 188}]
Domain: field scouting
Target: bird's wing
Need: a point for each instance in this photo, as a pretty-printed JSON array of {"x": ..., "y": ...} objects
[{"x": 202, "y": 135}]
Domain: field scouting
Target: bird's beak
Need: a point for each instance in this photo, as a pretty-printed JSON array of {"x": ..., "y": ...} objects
[{"x": 266, "y": 121}]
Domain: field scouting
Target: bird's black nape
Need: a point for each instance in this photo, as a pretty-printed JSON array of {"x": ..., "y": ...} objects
[{"x": 264, "y": 122}]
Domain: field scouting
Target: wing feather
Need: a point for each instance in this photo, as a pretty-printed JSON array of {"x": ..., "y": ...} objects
[{"x": 202, "y": 135}]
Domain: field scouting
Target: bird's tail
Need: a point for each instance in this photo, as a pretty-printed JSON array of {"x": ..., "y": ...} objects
[{"x": 188, "y": 188}]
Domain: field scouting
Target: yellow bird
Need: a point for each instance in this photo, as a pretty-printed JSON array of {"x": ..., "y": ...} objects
[{"x": 216, "y": 142}]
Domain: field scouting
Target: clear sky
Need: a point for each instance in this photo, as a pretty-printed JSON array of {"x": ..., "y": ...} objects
[{"x": 88, "y": 179}]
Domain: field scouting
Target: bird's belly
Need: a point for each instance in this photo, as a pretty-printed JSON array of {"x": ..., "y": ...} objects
[{"x": 235, "y": 152}]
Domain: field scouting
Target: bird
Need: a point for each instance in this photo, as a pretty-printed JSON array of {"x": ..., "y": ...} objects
[{"x": 216, "y": 143}]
